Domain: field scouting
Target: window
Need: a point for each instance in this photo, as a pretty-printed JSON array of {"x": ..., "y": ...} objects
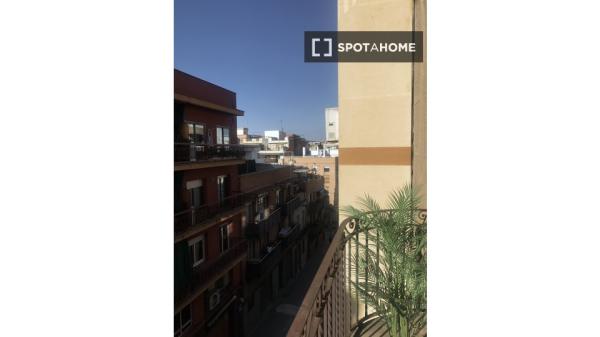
[
  {"x": 221, "y": 188},
  {"x": 222, "y": 135},
  {"x": 326, "y": 169},
  {"x": 196, "y": 132},
  {"x": 183, "y": 320},
  {"x": 197, "y": 251},
  {"x": 278, "y": 197},
  {"x": 196, "y": 195},
  {"x": 261, "y": 203},
  {"x": 224, "y": 232},
  {"x": 225, "y": 136}
]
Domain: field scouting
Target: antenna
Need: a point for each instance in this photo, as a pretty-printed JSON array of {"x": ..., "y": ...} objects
[{"x": 281, "y": 122}]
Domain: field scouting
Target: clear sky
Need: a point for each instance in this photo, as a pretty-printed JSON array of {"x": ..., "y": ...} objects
[{"x": 255, "y": 48}]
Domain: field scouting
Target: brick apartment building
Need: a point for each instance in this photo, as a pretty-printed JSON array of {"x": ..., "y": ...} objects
[
  {"x": 327, "y": 167},
  {"x": 210, "y": 251},
  {"x": 242, "y": 230},
  {"x": 285, "y": 222}
]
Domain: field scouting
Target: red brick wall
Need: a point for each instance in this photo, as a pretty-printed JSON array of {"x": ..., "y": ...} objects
[
  {"x": 211, "y": 120},
  {"x": 191, "y": 86},
  {"x": 209, "y": 182},
  {"x": 198, "y": 309}
]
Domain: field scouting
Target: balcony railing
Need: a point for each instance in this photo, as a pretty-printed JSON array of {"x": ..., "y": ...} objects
[
  {"x": 192, "y": 152},
  {"x": 207, "y": 270},
  {"x": 291, "y": 205},
  {"x": 263, "y": 264},
  {"x": 196, "y": 215},
  {"x": 227, "y": 296},
  {"x": 330, "y": 307},
  {"x": 256, "y": 228}
]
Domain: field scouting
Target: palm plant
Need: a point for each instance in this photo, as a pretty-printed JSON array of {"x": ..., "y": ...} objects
[{"x": 391, "y": 261}]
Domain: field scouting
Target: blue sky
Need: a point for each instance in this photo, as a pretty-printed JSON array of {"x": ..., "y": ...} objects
[{"x": 255, "y": 48}]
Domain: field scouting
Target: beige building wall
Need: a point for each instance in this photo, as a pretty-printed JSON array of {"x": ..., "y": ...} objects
[
  {"x": 330, "y": 178},
  {"x": 376, "y": 108}
]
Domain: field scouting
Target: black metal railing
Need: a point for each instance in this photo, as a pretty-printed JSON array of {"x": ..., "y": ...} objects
[
  {"x": 196, "y": 215},
  {"x": 207, "y": 270},
  {"x": 267, "y": 260},
  {"x": 291, "y": 205},
  {"x": 193, "y": 152},
  {"x": 227, "y": 296},
  {"x": 254, "y": 229},
  {"x": 330, "y": 307}
]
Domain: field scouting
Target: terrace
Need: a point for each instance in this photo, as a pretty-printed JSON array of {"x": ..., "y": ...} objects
[{"x": 330, "y": 307}]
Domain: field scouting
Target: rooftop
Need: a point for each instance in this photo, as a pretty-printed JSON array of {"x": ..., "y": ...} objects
[{"x": 193, "y": 90}]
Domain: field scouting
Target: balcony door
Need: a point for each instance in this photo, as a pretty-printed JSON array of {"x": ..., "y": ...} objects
[
  {"x": 224, "y": 234},
  {"x": 222, "y": 135},
  {"x": 196, "y": 138},
  {"x": 196, "y": 133},
  {"x": 222, "y": 189},
  {"x": 196, "y": 197}
]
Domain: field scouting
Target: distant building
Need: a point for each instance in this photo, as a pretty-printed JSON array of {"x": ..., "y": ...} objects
[
  {"x": 327, "y": 167},
  {"x": 332, "y": 127},
  {"x": 332, "y": 132},
  {"x": 314, "y": 149},
  {"x": 244, "y": 137},
  {"x": 275, "y": 134},
  {"x": 296, "y": 145},
  {"x": 242, "y": 132},
  {"x": 276, "y": 145},
  {"x": 252, "y": 151},
  {"x": 281, "y": 233}
]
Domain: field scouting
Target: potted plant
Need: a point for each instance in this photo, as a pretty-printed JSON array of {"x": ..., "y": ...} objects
[{"x": 392, "y": 261}]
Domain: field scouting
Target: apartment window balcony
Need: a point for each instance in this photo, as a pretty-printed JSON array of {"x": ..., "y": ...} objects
[
  {"x": 187, "y": 152},
  {"x": 217, "y": 301},
  {"x": 264, "y": 263},
  {"x": 291, "y": 205},
  {"x": 204, "y": 273},
  {"x": 256, "y": 228},
  {"x": 196, "y": 215},
  {"x": 331, "y": 306}
]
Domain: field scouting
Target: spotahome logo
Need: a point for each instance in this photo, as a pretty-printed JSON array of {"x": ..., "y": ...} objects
[{"x": 391, "y": 46}]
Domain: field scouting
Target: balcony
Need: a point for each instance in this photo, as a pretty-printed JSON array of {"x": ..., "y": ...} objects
[
  {"x": 291, "y": 205},
  {"x": 208, "y": 271},
  {"x": 217, "y": 302},
  {"x": 262, "y": 226},
  {"x": 265, "y": 263},
  {"x": 186, "y": 152},
  {"x": 196, "y": 215},
  {"x": 331, "y": 306}
]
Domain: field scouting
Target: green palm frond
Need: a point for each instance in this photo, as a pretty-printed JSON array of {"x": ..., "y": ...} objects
[{"x": 390, "y": 264}]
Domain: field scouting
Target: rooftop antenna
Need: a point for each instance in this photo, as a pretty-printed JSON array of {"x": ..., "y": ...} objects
[{"x": 281, "y": 122}]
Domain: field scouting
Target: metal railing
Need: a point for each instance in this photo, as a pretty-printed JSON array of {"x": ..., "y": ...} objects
[
  {"x": 263, "y": 264},
  {"x": 330, "y": 307},
  {"x": 207, "y": 270},
  {"x": 256, "y": 228},
  {"x": 196, "y": 215},
  {"x": 193, "y": 152}
]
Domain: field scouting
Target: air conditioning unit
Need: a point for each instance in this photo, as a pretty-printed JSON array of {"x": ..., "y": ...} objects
[{"x": 214, "y": 300}]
